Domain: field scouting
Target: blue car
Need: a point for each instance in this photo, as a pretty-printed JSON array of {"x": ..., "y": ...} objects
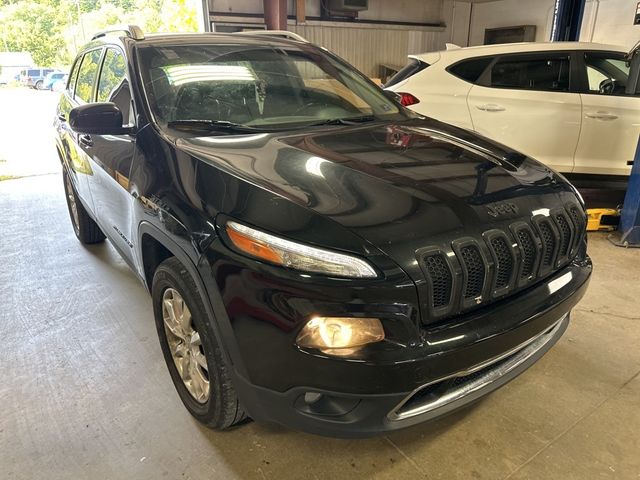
[{"x": 51, "y": 79}]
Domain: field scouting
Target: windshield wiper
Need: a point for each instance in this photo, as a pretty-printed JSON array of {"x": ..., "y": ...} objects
[
  {"x": 344, "y": 121},
  {"x": 211, "y": 125}
]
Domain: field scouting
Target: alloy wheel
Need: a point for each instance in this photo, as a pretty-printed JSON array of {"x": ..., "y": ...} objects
[{"x": 185, "y": 345}]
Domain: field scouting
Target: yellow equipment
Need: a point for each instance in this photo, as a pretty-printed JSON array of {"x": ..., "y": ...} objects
[{"x": 602, "y": 219}]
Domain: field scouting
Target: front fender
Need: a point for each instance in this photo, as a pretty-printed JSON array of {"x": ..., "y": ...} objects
[{"x": 200, "y": 271}]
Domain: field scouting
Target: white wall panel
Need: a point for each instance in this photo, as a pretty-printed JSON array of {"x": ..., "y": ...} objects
[
  {"x": 368, "y": 48},
  {"x": 610, "y": 21},
  {"x": 507, "y": 13}
]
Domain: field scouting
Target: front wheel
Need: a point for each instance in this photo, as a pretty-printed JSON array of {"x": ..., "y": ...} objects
[
  {"x": 192, "y": 354},
  {"x": 38, "y": 85},
  {"x": 85, "y": 228}
]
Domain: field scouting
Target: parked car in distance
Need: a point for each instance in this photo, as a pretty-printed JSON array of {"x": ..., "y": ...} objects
[
  {"x": 52, "y": 78},
  {"x": 566, "y": 104},
  {"x": 34, "y": 77},
  {"x": 317, "y": 255},
  {"x": 59, "y": 85}
]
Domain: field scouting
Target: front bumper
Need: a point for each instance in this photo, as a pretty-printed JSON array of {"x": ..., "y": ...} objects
[
  {"x": 374, "y": 414},
  {"x": 459, "y": 362},
  {"x": 441, "y": 397}
]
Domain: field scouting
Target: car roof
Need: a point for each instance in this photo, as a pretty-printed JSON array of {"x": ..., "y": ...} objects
[
  {"x": 214, "y": 38},
  {"x": 195, "y": 39},
  {"x": 455, "y": 53}
]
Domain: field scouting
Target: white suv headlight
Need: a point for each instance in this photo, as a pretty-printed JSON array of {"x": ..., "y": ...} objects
[{"x": 295, "y": 255}]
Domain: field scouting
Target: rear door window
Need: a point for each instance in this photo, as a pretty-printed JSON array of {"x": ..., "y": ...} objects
[
  {"x": 470, "y": 70},
  {"x": 414, "y": 66},
  {"x": 540, "y": 72},
  {"x": 34, "y": 73},
  {"x": 87, "y": 76}
]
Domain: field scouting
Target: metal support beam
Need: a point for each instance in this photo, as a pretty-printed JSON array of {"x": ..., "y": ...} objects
[
  {"x": 301, "y": 12},
  {"x": 628, "y": 234},
  {"x": 204, "y": 22},
  {"x": 567, "y": 20},
  {"x": 275, "y": 14}
]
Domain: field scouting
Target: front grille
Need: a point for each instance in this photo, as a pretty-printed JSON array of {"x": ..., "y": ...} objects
[
  {"x": 440, "y": 279},
  {"x": 474, "y": 267},
  {"x": 548, "y": 243},
  {"x": 577, "y": 216},
  {"x": 471, "y": 272},
  {"x": 504, "y": 261},
  {"x": 529, "y": 252},
  {"x": 565, "y": 234},
  {"x": 579, "y": 222}
]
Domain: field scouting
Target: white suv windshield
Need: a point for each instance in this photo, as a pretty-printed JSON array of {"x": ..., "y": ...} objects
[{"x": 257, "y": 86}]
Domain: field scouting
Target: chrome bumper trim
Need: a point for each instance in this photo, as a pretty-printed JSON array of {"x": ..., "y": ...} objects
[{"x": 522, "y": 356}]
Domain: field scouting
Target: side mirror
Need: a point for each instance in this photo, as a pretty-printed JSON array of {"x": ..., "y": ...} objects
[{"x": 98, "y": 119}]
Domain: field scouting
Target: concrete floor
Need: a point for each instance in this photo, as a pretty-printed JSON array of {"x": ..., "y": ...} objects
[{"x": 85, "y": 392}]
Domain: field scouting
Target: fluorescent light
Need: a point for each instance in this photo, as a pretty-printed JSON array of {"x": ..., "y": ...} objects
[{"x": 181, "y": 74}]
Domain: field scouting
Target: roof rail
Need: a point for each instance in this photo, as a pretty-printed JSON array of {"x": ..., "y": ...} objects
[
  {"x": 131, "y": 31},
  {"x": 275, "y": 33}
]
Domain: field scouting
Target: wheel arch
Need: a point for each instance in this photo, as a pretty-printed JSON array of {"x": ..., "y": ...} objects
[
  {"x": 163, "y": 247},
  {"x": 152, "y": 253}
]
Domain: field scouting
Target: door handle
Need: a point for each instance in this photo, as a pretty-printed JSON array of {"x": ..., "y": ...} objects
[
  {"x": 601, "y": 115},
  {"x": 86, "y": 140},
  {"x": 490, "y": 107}
]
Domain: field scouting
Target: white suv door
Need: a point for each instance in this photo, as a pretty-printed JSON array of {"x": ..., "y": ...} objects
[
  {"x": 610, "y": 116},
  {"x": 525, "y": 101}
]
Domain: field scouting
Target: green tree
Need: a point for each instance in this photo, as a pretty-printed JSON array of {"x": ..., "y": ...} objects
[
  {"x": 53, "y": 30},
  {"x": 36, "y": 28}
]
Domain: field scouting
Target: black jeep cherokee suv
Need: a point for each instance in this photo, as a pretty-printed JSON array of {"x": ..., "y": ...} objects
[{"x": 317, "y": 255}]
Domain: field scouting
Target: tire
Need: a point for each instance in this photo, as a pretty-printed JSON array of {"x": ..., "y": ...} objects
[
  {"x": 190, "y": 341},
  {"x": 85, "y": 228},
  {"x": 38, "y": 85}
]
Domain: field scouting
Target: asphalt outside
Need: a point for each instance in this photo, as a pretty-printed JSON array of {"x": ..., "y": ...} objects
[{"x": 85, "y": 392}]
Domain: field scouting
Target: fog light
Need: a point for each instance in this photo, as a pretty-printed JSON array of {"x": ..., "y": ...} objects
[{"x": 340, "y": 335}]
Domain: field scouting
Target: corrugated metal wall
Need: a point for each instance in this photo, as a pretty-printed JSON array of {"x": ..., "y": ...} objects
[{"x": 367, "y": 48}]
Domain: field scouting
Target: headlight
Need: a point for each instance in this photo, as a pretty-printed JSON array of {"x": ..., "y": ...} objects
[
  {"x": 340, "y": 335},
  {"x": 302, "y": 257}
]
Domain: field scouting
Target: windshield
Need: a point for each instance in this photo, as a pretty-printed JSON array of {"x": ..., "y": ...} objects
[{"x": 258, "y": 86}]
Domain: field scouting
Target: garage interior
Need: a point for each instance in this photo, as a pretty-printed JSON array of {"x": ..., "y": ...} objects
[{"x": 85, "y": 390}]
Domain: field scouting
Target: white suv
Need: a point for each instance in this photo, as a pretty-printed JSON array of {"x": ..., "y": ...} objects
[{"x": 568, "y": 104}]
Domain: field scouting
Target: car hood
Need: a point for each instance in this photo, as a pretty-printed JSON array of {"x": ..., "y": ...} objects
[{"x": 399, "y": 186}]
